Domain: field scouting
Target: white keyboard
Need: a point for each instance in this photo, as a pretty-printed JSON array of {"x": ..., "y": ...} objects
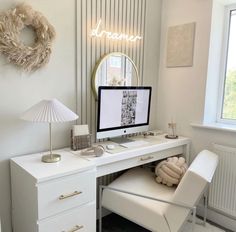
[{"x": 132, "y": 144}]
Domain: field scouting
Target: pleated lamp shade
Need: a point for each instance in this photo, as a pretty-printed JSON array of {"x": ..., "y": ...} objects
[{"x": 49, "y": 111}]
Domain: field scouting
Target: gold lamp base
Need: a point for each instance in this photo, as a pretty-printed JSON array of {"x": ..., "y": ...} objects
[{"x": 51, "y": 158}]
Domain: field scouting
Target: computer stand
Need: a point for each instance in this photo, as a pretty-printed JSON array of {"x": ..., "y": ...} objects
[{"x": 120, "y": 140}]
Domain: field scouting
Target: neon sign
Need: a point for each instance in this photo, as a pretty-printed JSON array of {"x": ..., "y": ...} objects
[{"x": 97, "y": 32}]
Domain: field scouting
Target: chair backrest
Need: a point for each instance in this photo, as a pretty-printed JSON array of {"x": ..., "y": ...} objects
[{"x": 191, "y": 188}]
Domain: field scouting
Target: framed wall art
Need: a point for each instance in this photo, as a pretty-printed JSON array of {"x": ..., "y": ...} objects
[{"x": 180, "y": 45}]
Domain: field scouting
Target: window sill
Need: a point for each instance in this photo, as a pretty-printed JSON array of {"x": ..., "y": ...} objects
[{"x": 215, "y": 126}]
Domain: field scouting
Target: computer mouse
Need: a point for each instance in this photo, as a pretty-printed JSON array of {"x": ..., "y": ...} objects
[{"x": 110, "y": 146}]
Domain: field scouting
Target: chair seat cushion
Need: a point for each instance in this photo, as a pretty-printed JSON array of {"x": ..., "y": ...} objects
[{"x": 145, "y": 212}]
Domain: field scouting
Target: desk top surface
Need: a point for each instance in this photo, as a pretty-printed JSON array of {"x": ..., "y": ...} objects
[
  {"x": 72, "y": 162},
  {"x": 154, "y": 144},
  {"x": 69, "y": 164}
]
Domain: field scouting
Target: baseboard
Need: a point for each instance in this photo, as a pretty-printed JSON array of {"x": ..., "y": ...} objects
[{"x": 218, "y": 218}]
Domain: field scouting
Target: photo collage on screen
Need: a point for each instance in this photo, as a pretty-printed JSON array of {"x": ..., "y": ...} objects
[{"x": 128, "y": 108}]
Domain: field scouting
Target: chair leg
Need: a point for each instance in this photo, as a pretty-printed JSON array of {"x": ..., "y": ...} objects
[
  {"x": 205, "y": 209},
  {"x": 100, "y": 210},
  {"x": 194, "y": 218}
]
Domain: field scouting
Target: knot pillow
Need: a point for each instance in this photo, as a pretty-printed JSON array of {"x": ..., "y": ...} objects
[{"x": 171, "y": 171}]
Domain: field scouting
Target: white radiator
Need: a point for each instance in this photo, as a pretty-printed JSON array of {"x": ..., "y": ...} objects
[{"x": 222, "y": 195}]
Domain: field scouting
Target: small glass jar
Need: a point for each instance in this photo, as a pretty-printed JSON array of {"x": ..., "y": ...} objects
[{"x": 172, "y": 131}]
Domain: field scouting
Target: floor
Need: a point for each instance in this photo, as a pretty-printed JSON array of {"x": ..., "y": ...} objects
[{"x": 114, "y": 223}]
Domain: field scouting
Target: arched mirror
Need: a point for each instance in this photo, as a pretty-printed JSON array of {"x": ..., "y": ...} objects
[{"x": 114, "y": 69}]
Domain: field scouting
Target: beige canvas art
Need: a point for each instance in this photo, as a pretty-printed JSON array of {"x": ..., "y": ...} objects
[{"x": 180, "y": 45}]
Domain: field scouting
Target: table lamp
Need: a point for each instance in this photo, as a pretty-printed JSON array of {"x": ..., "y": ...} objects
[{"x": 49, "y": 111}]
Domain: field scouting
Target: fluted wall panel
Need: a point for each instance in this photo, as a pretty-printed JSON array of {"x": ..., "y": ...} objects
[{"x": 120, "y": 16}]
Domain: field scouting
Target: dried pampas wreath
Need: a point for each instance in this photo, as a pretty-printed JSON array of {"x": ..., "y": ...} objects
[{"x": 12, "y": 22}]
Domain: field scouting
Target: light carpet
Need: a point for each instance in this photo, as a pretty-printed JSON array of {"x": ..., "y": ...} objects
[{"x": 201, "y": 228}]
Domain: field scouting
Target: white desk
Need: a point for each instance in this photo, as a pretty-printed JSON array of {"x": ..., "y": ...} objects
[
  {"x": 158, "y": 147},
  {"x": 62, "y": 196}
]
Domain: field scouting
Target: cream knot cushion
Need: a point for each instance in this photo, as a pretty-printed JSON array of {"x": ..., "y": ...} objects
[{"x": 171, "y": 171}]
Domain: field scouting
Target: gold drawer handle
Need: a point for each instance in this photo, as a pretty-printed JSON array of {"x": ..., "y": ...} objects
[
  {"x": 75, "y": 193},
  {"x": 146, "y": 158},
  {"x": 76, "y": 228}
]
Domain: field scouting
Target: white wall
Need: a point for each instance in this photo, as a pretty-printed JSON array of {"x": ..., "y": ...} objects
[
  {"x": 19, "y": 91},
  {"x": 152, "y": 53},
  {"x": 181, "y": 91}
]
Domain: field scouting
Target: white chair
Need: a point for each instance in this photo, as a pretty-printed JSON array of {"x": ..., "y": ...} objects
[{"x": 136, "y": 196}]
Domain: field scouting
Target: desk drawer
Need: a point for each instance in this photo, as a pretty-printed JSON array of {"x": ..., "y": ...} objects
[
  {"x": 82, "y": 219},
  {"x": 65, "y": 193},
  {"x": 137, "y": 161}
]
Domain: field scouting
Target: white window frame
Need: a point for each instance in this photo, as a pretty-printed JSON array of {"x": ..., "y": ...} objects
[{"x": 224, "y": 53}]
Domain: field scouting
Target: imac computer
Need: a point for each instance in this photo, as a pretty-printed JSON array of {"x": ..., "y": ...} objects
[{"x": 122, "y": 110}]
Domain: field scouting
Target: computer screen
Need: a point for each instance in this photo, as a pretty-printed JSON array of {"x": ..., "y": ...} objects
[{"x": 122, "y": 110}]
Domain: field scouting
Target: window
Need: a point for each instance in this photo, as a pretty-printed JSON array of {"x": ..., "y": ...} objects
[{"x": 227, "y": 100}]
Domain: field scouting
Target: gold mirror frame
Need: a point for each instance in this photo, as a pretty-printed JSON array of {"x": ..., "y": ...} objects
[{"x": 100, "y": 62}]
